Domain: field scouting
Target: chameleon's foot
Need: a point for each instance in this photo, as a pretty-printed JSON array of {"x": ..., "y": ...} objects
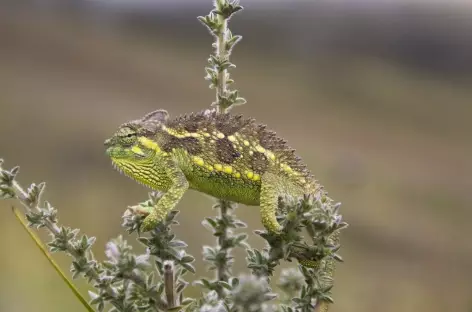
[
  {"x": 276, "y": 231},
  {"x": 149, "y": 223},
  {"x": 271, "y": 225}
]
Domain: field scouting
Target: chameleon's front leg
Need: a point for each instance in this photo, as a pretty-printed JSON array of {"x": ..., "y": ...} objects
[
  {"x": 269, "y": 201},
  {"x": 169, "y": 200}
]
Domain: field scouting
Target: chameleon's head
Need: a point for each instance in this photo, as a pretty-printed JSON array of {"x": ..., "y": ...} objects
[{"x": 132, "y": 148}]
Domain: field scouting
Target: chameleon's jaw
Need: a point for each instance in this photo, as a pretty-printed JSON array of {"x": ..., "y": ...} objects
[
  {"x": 132, "y": 162},
  {"x": 115, "y": 152},
  {"x": 119, "y": 166}
]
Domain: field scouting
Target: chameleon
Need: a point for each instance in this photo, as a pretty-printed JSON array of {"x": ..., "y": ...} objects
[{"x": 223, "y": 155}]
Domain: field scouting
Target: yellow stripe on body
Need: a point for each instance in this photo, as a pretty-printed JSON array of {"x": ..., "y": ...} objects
[
  {"x": 198, "y": 160},
  {"x": 173, "y": 132},
  {"x": 228, "y": 169}
]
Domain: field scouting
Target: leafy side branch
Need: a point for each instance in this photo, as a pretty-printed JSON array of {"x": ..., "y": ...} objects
[{"x": 112, "y": 281}]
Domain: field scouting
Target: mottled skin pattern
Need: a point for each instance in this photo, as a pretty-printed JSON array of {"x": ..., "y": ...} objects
[{"x": 222, "y": 155}]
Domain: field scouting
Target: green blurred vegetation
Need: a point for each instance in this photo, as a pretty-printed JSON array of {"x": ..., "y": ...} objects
[{"x": 389, "y": 139}]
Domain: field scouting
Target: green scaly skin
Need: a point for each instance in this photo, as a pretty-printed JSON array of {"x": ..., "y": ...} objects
[{"x": 224, "y": 156}]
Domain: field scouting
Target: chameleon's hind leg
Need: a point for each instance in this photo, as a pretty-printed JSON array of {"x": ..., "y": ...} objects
[{"x": 269, "y": 200}]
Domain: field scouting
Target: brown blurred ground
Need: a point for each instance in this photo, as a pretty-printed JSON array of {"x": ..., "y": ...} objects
[{"x": 389, "y": 135}]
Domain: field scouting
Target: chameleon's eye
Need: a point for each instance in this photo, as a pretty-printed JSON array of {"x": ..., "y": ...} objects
[
  {"x": 127, "y": 136},
  {"x": 129, "y": 139}
]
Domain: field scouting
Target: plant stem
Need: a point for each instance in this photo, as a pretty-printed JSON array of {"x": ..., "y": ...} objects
[
  {"x": 221, "y": 89},
  {"x": 221, "y": 272},
  {"x": 169, "y": 283}
]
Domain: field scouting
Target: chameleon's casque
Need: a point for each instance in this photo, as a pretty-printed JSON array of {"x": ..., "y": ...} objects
[{"x": 222, "y": 155}]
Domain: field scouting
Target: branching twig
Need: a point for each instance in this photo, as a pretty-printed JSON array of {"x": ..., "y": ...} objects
[{"x": 67, "y": 240}]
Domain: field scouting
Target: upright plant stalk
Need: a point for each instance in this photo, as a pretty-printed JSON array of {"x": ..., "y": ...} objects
[
  {"x": 222, "y": 54},
  {"x": 217, "y": 73}
]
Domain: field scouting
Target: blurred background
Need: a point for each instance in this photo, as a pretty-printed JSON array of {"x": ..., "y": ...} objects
[{"x": 376, "y": 96}]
